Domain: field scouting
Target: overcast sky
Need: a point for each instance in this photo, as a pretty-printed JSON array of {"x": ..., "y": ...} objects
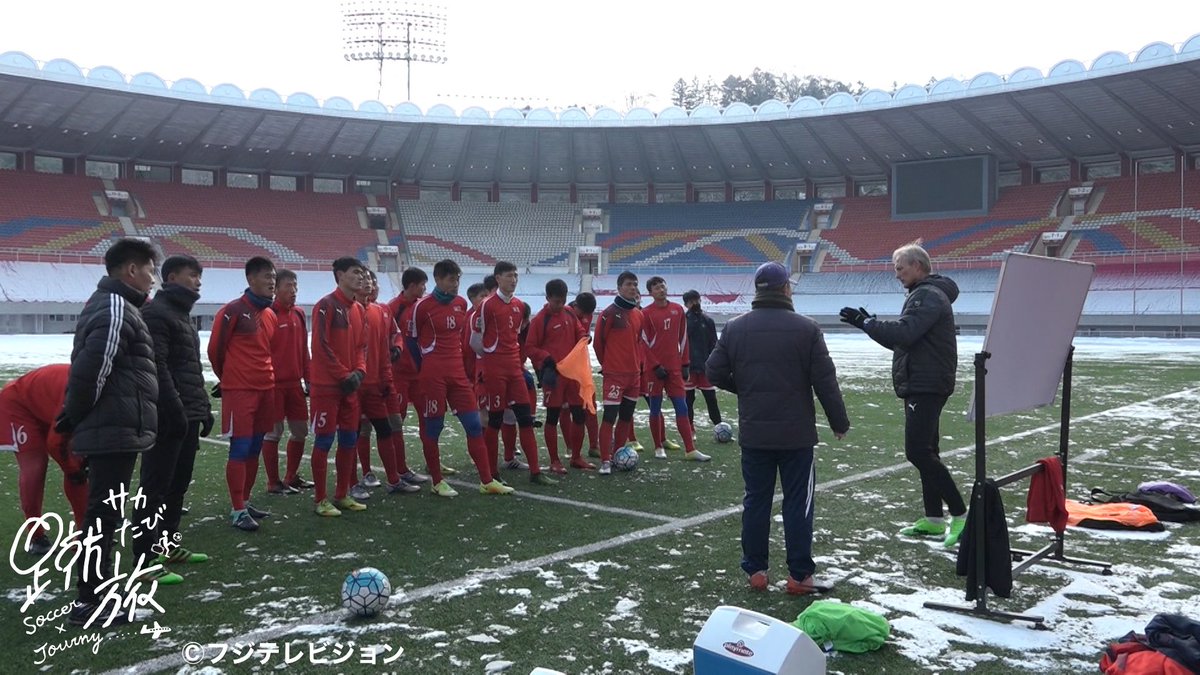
[{"x": 588, "y": 52}]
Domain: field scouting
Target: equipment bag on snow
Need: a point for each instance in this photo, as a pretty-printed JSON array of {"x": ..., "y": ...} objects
[
  {"x": 1164, "y": 506},
  {"x": 1131, "y": 655}
]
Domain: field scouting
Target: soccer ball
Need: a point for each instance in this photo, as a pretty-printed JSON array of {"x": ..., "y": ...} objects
[
  {"x": 365, "y": 591},
  {"x": 722, "y": 433},
  {"x": 625, "y": 459}
]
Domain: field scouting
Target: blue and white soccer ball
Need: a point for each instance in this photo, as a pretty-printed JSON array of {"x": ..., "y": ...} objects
[
  {"x": 722, "y": 433},
  {"x": 365, "y": 592},
  {"x": 625, "y": 459}
]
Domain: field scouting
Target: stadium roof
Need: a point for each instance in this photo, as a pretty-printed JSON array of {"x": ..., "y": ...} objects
[{"x": 1145, "y": 106}]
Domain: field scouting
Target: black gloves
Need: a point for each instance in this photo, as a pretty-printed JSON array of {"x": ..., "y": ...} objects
[
  {"x": 549, "y": 364},
  {"x": 386, "y": 390},
  {"x": 660, "y": 372},
  {"x": 686, "y": 372},
  {"x": 62, "y": 425},
  {"x": 396, "y": 353},
  {"x": 350, "y": 384},
  {"x": 855, "y": 317},
  {"x": 206, "y": 425},
  {"x": 216, "y": 390}
]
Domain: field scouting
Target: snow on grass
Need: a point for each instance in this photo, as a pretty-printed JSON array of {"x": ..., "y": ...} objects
[
  {"x": 592, "y": 568},
  {"x": 671, "y": 660},
  {"x": 624, "y": 610}
]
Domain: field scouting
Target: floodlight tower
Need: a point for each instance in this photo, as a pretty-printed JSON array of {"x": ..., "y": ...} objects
[{"x": 389, "y": 30}]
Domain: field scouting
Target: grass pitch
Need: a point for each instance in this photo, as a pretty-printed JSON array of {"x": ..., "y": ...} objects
[{"x": 618, "y": 574}]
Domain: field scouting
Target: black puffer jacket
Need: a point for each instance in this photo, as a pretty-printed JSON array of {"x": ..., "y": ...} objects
[
  {"x": 702, "y": 338},
  {"x": 923, "y": 343},
  {"x": 774, "y": 360},
  {"x": 181, "y": 389},
  {"x": 113, "y": 388}
]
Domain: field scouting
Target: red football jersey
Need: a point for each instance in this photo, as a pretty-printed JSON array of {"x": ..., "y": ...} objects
[
  {"x": 552, "y": 334},
  {"x": 339, "y": 339},
  {"x": 666, "y": 335},
  {"x": 380, "y": 332},
  {"x": 289, "y": 346},
  {"x": 438, "y": 329},
  {"x": 499, "y": 324},
  {"x": 470, "y": 358},
  {"x": 403, "y": 368},
  {"x": 39, "y": 392},
  {"x": 618, "y": 342},
  {"x": 239, "y": 348}
]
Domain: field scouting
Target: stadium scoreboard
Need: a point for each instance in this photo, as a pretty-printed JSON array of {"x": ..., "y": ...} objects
[{"x": 944, "y": 188}]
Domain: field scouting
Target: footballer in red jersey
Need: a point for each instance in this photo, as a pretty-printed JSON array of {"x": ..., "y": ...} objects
[
  {"x": 666, "y": 369},
  {"x": 28, "y": 407},
  {"x": 289, "y": 358},
  {"x": 437, "y": 326},
  {"x": 620, "y": 349},
  {"x": 495, "y": 337},
  {"x": 339, "y": 366},
  {"x": 584, "y": 308},
  {"x": 553, "y": 333},
  {"x": 239, "y": 350},
  {"x": 405, "y": 362},
  {"x": 378, "y": 400}
]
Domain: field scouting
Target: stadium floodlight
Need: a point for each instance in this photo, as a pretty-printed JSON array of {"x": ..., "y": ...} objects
[{"x": 387, "y": 30}]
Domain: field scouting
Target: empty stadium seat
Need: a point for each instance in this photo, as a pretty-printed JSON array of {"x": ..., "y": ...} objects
[
  {"x": 702, "y": 235},
  {"x": 481, "y": 233},
  {"x": 866, "y": 233}
]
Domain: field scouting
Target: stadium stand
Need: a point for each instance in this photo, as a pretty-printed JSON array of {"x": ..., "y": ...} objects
[
  {"x": 866, "y": 235},
  {"x": 43, "y": 216},
  {"x": 1147, "y": 276},
  {"x": 715, "y": 287},
  {"x": 218, "y": 223},
  {"x": 1140, "y": 214},
  {"x": 480, "y": 233},
  {"x": 702, "y": 235}
]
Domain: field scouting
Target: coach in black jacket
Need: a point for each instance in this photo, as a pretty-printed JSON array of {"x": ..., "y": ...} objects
[
  {"x": 774, "y": 360},
  {"x": 924, "y": 361},
  {"x": 184, "y": 413},
  {"x": 110, "y": 407}
]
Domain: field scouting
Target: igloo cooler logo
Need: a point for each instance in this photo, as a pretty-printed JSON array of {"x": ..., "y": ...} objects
[{"x": 738, "y": 648}]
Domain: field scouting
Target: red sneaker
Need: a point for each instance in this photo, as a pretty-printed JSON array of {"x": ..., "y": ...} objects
[
  {"x": 759, "y": 581},
  {"x": 802, "y": 587},
  {"x": 558, "y": 468},
  {"x": 581, "y": 463}
]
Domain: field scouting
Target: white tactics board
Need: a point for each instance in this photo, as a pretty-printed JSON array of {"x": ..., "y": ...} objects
[{"x": 1035, "y": 313}]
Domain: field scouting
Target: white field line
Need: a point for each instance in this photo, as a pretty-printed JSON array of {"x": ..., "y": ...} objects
[
  {"x": 174, "y": 661},
  {"x": 526, "y": 494}
]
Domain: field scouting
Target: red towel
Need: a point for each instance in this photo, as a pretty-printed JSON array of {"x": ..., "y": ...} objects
[{"x": 1047, "y": 500}]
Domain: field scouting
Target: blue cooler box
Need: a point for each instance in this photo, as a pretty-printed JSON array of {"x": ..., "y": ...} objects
[{"x": 736, "y": 641}]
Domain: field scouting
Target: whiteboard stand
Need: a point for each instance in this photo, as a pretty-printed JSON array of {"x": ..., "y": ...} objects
[{"x": 1051, "y": 551}]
